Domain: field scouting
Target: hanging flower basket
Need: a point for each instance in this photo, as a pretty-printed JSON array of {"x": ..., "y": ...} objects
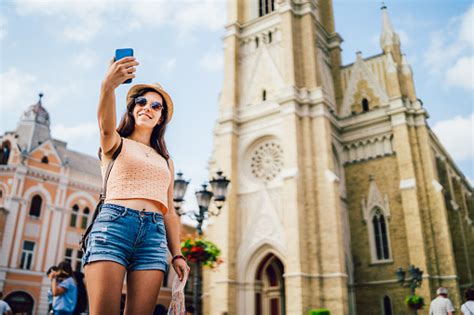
[
  {"x": 415, "y": 302},
  {"x": 201, "y": 251}
]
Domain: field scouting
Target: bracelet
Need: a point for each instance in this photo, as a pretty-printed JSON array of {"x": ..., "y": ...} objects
[{"x": 179, "y": 256}]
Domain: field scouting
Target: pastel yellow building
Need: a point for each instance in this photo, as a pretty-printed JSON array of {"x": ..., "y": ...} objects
[{"x": 336, "y": 177}]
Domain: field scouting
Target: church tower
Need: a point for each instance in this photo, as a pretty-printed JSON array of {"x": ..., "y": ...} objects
[
  {"x": 337, "y": 180},
  {"x": 283, "y": 231}
]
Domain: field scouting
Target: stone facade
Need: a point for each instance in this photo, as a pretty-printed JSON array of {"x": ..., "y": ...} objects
[{"x": 336, "y": 178}]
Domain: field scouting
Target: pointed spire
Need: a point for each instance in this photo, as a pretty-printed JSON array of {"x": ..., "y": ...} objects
[{"x": 388, "y": 36}]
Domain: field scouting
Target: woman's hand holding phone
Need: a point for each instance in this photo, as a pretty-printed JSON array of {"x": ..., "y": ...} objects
[{"x": 119, "y": 71}]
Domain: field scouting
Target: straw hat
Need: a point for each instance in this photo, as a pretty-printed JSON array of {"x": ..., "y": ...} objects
[{"x": 159, "y": 89}]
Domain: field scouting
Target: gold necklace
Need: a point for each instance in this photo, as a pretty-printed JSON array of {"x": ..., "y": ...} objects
[{"x": 147, "y": 154}]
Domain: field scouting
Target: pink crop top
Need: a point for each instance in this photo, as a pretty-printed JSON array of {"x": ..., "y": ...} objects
[{"x": 138, "y": 172}]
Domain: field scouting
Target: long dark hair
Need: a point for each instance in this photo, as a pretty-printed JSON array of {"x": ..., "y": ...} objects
[{"x": 157, "y": 139}]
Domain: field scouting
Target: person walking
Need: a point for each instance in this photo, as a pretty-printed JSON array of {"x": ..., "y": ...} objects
[
  {"x": 137, "y": 223},
  {"x": 468, "y": 307},
  {"x": 4, "y": 307},
  {"x": 49, "y": 274},
  {"x": 64, "y": 289},
  {"x": 441, "y": 305}
]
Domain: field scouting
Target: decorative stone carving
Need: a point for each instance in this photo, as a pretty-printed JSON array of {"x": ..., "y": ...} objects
[
  {"x": 261, "y": 220},
  {"x": 355, "y": 89},
  {"x": 374, "y": 200},
  {"x": 326, "y": 74},
  {"x": 266, "y": 161},
  {"x": 367, "y": 149},
  {"x": 261, "y": 72}
]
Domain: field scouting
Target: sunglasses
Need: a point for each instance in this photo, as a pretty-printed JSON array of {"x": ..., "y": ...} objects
[{"x": 142, "y": 101}]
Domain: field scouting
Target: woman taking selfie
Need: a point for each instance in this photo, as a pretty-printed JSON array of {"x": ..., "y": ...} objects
[{"x": 137, "y": 223}]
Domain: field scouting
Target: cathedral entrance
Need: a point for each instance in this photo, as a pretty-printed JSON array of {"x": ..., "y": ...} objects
[{"x": 270, "y": 287}]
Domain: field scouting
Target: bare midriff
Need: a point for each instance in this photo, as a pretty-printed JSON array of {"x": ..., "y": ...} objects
[{"x": 139, "y": 204}]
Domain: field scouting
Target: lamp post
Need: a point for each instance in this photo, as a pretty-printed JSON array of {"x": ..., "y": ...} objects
[
  {"x": 204, "y": 197},
  {"x": 416, "y": 277}
]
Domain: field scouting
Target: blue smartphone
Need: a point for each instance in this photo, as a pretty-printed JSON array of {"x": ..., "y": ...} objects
[{"x": 122, "y": 53}]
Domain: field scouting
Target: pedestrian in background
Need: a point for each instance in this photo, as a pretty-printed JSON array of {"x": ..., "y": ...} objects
[
  {"x": 64, "y": 290},
  {"x": 468, "y": 307},
  {"x": 4, "y": 307},
  {"x": 441, "y": 305},
  {"x": 50, "y": 292}
]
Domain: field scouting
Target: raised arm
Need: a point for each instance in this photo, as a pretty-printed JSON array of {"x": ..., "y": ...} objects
[{"x": 118, "y": 72}]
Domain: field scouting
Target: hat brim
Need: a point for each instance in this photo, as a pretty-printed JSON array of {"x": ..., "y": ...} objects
[{"x": 169, "y": 103}]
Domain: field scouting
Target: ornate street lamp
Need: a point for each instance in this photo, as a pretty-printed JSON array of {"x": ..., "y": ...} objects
[
  {"x": 219, "y": 187},
  {"x": 416, "y": 277},
  {"x": 179, "y": 189},
  {"x": 204, "y": 197}
]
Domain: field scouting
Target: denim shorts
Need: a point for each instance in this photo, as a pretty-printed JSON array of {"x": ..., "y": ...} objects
[{"x": 132, "y": 238}]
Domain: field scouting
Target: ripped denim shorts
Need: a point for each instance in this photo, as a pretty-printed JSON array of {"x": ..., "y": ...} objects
[{"x": 132, "y": 238}]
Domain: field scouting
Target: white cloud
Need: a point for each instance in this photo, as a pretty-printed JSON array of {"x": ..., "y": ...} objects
[
  {"x": 75, "y": 133},
  {"x": 17, "y": 87},
  {"x": 208, "y": 14},
  {"x": 151, "y": 14},
  {"x": 457, "y": 136},
  {"x": 86, "y": 59},
  {"x": 462, "y": 73},
  {"x": 168, "y": 65},
  {"x": 3, "y": 27},
  {"x": 467, "y": 27},
  {"x": 212, "y": 61},
  {"x": 82, "y": 21},
  {"x": 450, "y": 50}
]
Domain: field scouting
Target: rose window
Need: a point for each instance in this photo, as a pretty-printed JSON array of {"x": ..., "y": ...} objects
[{"x": 267, "y": 161}]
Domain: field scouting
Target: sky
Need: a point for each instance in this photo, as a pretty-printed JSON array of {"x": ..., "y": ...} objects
[{"x": 62, "y": 48}]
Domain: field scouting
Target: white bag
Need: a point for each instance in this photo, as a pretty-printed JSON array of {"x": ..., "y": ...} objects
[{"x": 177, "y": 305}]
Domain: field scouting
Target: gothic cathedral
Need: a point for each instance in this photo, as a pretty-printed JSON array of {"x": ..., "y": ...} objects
[{"x": 337, "y": 179}]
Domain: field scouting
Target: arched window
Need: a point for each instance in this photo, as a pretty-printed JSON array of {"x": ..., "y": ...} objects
[
  {"x": 35, "y": 206},
  {"x": 365, "y": 105},
  {"x": 75, "y": 210},
  {"x": 387, "y": 305},
  {"x": 380, "y": 236},
  {"x": 264, "y": 95},
  {"x": 265, "y": 7},
  {"x": 85, "y": 217},
  {"x": 45, "y": 160},
  {"x": 269, "y": 37},
  {"x": 256, "y": 42}
]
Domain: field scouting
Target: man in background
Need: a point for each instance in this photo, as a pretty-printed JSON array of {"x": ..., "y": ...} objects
[{"x": 441, "y": 305}]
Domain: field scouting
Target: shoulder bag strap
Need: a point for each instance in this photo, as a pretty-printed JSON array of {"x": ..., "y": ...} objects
[
  {"x": 83, "y": 240},
  {"x": 109, "y": 168}
]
